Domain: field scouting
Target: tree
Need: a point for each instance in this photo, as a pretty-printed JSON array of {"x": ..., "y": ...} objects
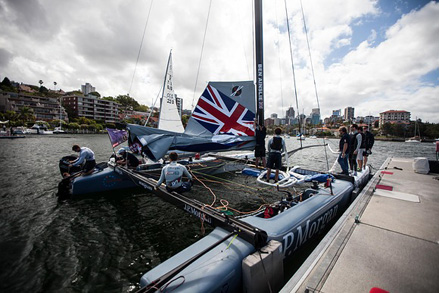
[
  {"x": 96, "y": 94},
  {"x": 26, "y": 114}
]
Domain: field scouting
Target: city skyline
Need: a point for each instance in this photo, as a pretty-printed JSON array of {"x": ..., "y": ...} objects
[{"x": 371, "y": 55}]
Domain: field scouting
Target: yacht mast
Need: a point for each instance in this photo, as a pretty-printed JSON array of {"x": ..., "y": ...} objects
[{"x": 259, "y": 56}]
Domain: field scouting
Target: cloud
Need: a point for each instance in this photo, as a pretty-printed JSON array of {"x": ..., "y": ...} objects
[{"x": 74, "y": 42}]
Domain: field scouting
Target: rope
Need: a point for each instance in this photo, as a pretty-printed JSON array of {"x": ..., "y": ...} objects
[
  {"x": 201, "y": 55},
  {"x": 140, "y": 49},
  {"x": 292, "y": 67}
]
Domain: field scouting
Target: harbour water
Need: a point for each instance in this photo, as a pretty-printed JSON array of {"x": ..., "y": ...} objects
[{"x": 106, "y": 242}]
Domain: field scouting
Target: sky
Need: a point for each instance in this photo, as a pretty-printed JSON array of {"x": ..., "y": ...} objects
[{"x": 371, "y": 55}]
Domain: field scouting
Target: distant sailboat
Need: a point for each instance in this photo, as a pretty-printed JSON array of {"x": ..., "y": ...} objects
[{"x": 417, "y": 134}]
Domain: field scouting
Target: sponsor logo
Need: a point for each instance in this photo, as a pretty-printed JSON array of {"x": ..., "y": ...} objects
[
  {"x": 294, "y": 239},
  {"x": 146, "y": 186},
  {"x": 197, "y": 213}
]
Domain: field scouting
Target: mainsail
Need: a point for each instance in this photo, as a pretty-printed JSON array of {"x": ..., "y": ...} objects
[
  {"x": 169, "y": 117},
  {"x": 221, "y": 121}
]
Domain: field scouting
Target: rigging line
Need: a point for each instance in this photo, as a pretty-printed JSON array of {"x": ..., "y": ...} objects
[
  {"x": 140, "y": 49},
  {"x": 292, "y": 67},
  {"x": 153, "y": 105},
  {"x": 312, "y": 71},
  {"x": 201, "y": 55},
  {"x": 278, "y": 55}
]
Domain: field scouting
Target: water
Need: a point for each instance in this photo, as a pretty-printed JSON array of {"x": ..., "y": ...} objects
[{"x": 106, "y": 242}]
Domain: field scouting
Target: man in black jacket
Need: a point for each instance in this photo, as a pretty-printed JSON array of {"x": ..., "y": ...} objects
[{"x": 370, "y": 140}]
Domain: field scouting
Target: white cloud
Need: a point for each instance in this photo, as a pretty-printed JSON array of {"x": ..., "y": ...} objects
[{"x": 73, "y": 42}]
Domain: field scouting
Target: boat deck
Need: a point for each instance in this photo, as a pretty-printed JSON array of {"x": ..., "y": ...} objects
[{"x": 388, "y": 238}]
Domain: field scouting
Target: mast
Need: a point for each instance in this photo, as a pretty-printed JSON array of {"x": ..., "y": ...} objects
[{"x": 259, "y": 56}]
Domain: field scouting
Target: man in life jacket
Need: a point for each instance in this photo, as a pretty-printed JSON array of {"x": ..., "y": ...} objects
[
  {"x": 173, "y": 174},
  {"x": 276, "y": 148}
]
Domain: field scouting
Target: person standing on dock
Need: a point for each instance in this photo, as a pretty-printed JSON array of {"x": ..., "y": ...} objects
[
  {"x": 362, "y": 149},
  {"x": 370, "y": 140},
  {"x": 344, "y": 150},
  {"x": 354, "y": 148},
  {"x": 437, "y": 150},
  {"x": 260, "y": 134},
  {"x": 87, "y": 155},
  {"x": 172, "y": 174},
  {"x": 276, "y": 148}
]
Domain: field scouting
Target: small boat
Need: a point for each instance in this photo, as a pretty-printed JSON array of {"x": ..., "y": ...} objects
[
  {"x": 109, "y": 177},
  {"x": 417, "y": 136},
  {"x": 58, "y": 130},
  {"x": 40, "y": 128}
]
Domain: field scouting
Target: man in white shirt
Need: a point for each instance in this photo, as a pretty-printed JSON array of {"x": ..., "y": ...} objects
[
  {"x": 87, "y": 155},
  {"x": 173, "y": 173}
]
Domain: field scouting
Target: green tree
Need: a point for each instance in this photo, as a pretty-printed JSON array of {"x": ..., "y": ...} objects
[
  {"x": 96, "y": 94},
  {"x": 26, "y": 114}
]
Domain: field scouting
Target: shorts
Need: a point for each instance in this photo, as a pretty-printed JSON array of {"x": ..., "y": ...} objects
[
  {"x": 89, "y": 165},
  {"x": 274, "y": 161},
  {"x": 185, "y": 186},
  {"x": 360, "y": 154},
  {"x": 259, "y": 151}
]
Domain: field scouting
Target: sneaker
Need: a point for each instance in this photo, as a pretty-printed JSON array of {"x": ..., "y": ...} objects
[
  {"x": 268, "y": 180},
  {"x": 355, "y": 173}
]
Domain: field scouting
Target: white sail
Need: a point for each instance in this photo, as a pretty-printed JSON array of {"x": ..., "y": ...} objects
[{"x": 169, "y": 119}]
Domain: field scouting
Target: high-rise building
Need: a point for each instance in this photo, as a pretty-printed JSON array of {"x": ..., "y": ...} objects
[
  {"x": 179, "y": 103},
  {"x": 87, "y": 88},
  {"x": 315, "y": 116},
  {"x": 349, "y": 114},
  {"x": 336, "y": 113},
  {"x": 290, "y": 113}
]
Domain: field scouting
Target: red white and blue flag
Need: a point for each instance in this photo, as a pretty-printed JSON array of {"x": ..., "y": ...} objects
[
  {"x": 117, "y": 136},
  {"x": 222, "y": 115}
]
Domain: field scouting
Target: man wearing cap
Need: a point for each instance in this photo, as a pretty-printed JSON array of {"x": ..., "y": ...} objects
[{"x": 126, "y": 158}]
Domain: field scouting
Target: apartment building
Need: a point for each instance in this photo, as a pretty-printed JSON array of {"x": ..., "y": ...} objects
[
  {"x": 92, "y": 107},
  {"x": 394, "y": 116},
  {"x": 45, "y": 108}
]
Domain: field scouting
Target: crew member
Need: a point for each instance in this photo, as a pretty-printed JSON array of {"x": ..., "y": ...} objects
[
  {"x": 126, "y": 158},
  {"x": 276, "y": 148},
  {"x": 344, "y": 150},
  {"x": 370, "y": 140},
  {"x": 355, "y": 143},
  {"x": 260, "y": 134},
  {"x": 172, "y": 174},
  {"x": 362, "y": 148},
  {"x": 87, "y": 155}
]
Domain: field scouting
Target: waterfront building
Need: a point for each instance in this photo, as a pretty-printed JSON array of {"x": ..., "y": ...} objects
[
  {"x": 315, "y": 116},
  {"x": 394, "y": 116},
  {"x": 179, "y": 102},
  {"x": 44, "y": 108},
  {"x": 92, "y": 107}
]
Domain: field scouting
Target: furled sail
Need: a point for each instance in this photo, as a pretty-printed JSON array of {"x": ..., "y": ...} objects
[{"x": 221, "y": 121}]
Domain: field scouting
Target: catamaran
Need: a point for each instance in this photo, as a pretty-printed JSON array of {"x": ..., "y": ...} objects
[{"x": 223, "y": 260}]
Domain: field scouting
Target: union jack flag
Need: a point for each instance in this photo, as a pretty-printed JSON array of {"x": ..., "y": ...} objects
[{"x": 221, "y": 115}]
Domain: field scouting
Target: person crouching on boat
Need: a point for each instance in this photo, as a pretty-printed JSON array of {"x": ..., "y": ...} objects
[
  {"x": 172, "y": 174},
  {"x": 276, "y": 148},
  {"x": 126, "y": 158},
  {"x": 87, "y": 155}
]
